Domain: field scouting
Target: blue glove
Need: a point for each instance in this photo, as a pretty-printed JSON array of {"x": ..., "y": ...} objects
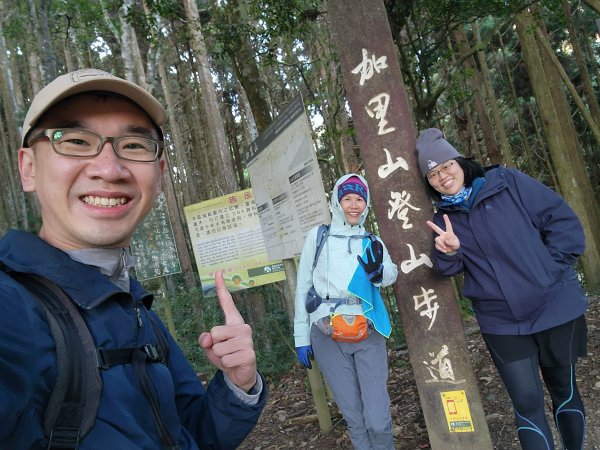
[
  {"x": 305, "y": 354},
  {"x": 373, "y": 265}
]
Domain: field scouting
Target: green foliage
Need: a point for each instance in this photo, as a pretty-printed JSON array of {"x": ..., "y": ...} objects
[
  {"x": 187, "y": 326},
  {"x": 273, "y": 335},
  {"x": 19, "y": 20},
  {"x": 167, "y": 9},
  {"x": 396, "y": 339},
  {"x": 465, "y": 308},
  {"x": 265, "y": 23},
  {"x": 281, "y": 356},
  {"x": 194, "y": 314}
]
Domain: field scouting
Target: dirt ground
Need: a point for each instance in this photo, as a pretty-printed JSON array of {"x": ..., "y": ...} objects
[{"x": 289, "y": 420}]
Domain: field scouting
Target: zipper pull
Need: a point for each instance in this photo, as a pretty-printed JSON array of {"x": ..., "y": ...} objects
[
  {"x": 138, "y": 315},
  {"x": 124, "y": 260}
]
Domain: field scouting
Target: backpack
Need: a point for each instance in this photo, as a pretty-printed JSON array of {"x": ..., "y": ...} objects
[
  {"x": 71, "y": 410},
  {"x": 323, "y": 234}
]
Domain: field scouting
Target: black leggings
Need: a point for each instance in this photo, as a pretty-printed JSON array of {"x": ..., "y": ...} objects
[{"x": 524, "y": 386}]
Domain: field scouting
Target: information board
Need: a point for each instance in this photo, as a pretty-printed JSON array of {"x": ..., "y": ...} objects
[
  {"x": 226, "y": 235},
  {"x": 287, "y": 183},
  {"x": 153, "y": 245}
]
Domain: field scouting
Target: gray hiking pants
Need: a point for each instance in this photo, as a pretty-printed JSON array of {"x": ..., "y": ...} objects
[{"x": 357, "y": 374}]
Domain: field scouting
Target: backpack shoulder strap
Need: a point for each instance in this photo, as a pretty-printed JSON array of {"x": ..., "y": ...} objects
[
  {"x": 322, "y": 234},
  {"x": 161, "y": 339},
  {"x": 73, "y": 404}
]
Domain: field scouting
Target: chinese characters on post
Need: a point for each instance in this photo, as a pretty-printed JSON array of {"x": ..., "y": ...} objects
[
  {"x": 371, "y": 66},
  {"x": 384, "y": 126}
]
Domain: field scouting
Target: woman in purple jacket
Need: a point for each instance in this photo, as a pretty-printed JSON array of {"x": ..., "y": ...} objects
[{"x": 515, "y": 240}]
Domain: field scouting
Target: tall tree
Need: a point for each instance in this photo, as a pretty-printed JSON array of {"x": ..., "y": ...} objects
[
  {"x": 39, "y": 13},
  {"x": 562, "y": 140},
  {"x": 12, "y": 138},
  {"x": 476, "y": 84},
  {"x": 218, "y": 145},
  {"x": 492, "y": 100}
]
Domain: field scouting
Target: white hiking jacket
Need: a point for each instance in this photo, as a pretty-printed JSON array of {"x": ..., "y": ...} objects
[{"x": 334, "y": 269}]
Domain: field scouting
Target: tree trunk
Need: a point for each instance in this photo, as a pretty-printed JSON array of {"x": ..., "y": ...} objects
[
  {"x": 11, "y": 140},
  {"x": 336, "y": 119},
  {"x": 493, "y": 101},
  {"x": 594, "y": 4},
  {"x": 177, "y": 221},
  {"x": 243, "y": 58},
  {"x": 563, "y": 142},
  {"x": 544, "y": 156},
  {"x": 467, "y": 131},
  {"x": 560, "y": 71},
  {"x": 223, "y": 181},
  {"x": 491, "y": 146},
  {"x": 233, "y": 131},
  {"x": 38, "y": 13},
  {"x": 131, "y": 37},
  {"x": 528, "y": 161},
  {"x": 586, "y": 81},
  {"x": 125, "y": 39}
]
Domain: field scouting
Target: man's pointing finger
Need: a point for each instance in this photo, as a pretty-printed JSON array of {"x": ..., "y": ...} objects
[{"x": 231, "y": 313}]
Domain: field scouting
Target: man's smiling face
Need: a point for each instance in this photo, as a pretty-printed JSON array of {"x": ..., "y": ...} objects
[{"x": 98, "y": 201}]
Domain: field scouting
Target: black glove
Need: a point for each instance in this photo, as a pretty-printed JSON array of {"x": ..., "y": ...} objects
[{"x": 373, "y": 266}]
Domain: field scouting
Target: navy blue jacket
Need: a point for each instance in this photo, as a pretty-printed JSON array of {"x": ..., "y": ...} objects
[
  {"x": 518, "y": 243},
  {"x": 197, "y": 418}
]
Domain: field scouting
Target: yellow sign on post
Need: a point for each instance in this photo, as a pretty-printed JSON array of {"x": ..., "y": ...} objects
[
  {"x": 226, "y": 235},
  {"x": 458, "y": 414}
]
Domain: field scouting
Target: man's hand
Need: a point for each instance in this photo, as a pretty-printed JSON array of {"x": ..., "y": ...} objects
[
  {"x": 230, "y": 347},
  {"x": 446, "y": 241}
]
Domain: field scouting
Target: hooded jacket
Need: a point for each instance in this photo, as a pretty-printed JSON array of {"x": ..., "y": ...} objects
[
  {"x": 518, "y": 243},
  {"x": 335, "y": 267},
  {"x": 196, "y": 418}
]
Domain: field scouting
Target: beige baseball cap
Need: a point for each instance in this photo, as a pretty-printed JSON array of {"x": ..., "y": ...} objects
[{"x": 86, "y": 80}]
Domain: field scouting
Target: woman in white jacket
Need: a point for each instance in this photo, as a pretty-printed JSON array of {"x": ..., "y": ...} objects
[{"x": 340, "y": 317}]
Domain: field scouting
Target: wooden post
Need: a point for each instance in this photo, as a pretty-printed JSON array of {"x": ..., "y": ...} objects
[
  {"x": 291, "y": 278},
  {"x": 315, "y": 378},
  {"x": 167, "y": 307},
  {"x": 386, "y": 135},
  {"x": 317, "y": 388}
]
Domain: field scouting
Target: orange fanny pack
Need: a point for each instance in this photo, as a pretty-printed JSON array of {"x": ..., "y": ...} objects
[{"x": 347, "y": 328}]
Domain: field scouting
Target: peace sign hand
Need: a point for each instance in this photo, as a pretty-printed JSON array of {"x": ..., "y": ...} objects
[
  {"x": 230, "y": 347},
  {"x": 446, "y": 241}
]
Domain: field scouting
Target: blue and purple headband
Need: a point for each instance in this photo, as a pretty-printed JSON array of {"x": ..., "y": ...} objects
[{"x": 352, "y": 185}]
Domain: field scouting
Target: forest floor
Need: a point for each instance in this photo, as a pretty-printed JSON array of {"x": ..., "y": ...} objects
[{"x": 289, "y": 420}]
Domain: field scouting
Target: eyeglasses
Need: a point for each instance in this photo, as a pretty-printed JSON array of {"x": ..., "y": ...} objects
[
  {"x": 446, "y": 167},
  {"x": 87, "y": 144}
]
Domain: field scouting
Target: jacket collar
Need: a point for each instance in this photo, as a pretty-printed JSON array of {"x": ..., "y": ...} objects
[
  {"x": 495, "y": 181},
  {"x": 25, "y": 252}
]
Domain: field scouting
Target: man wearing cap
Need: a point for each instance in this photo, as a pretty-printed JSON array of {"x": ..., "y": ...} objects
[{"x": 91, "y": 152}]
